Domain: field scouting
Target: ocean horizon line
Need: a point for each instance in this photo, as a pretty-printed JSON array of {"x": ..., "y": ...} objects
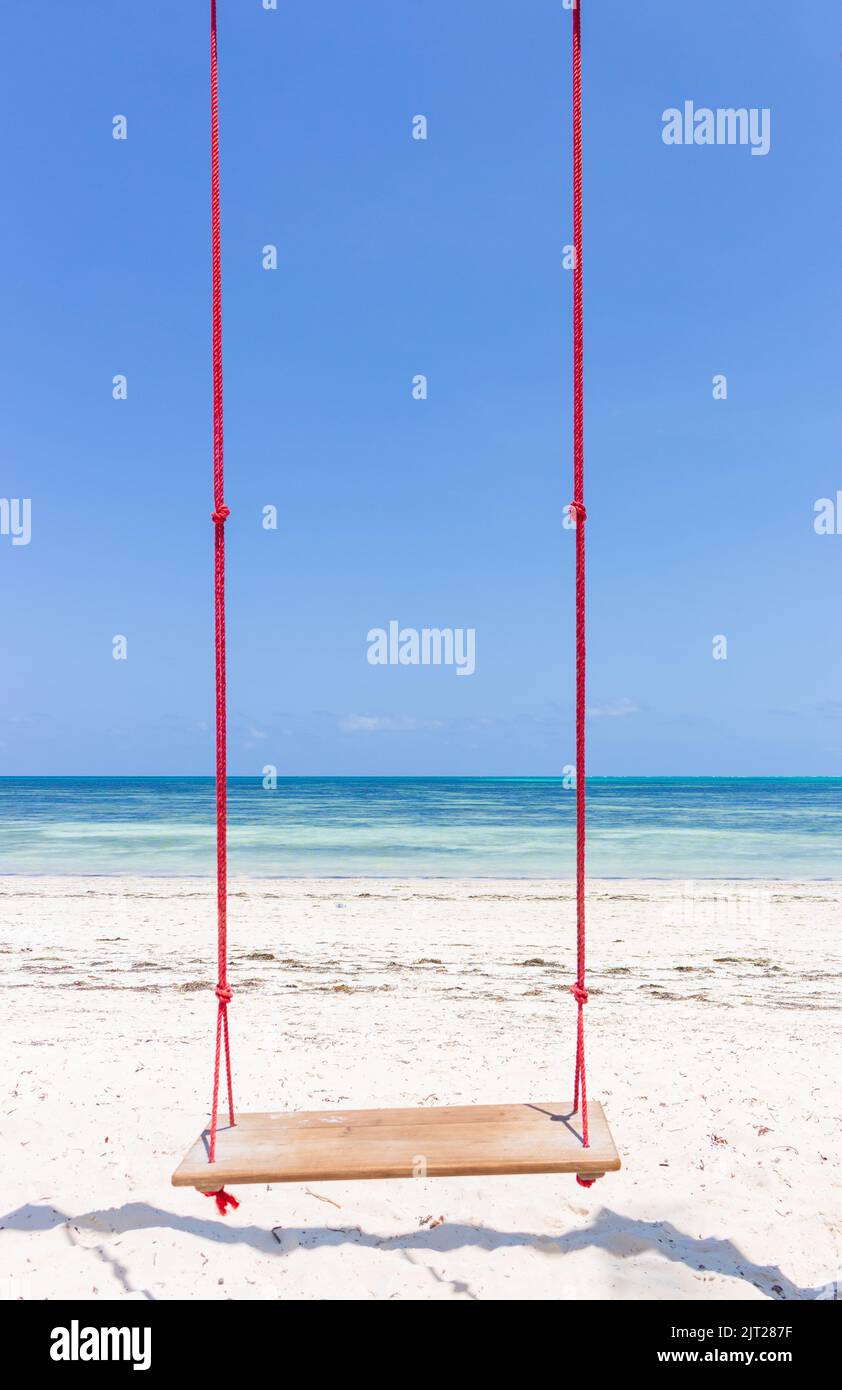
[{"x": 418, "y": 777}]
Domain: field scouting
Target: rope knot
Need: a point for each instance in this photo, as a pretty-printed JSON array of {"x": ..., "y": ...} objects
[
  {"x": 577, "y": 511},
  {"x": 221, "y": 516},
  {"x": 580, "y": 994},
  {"x": 583, "y": 1182},
  {"x": 224, "y": 994},
  {"x": 223, "y": 1199}
]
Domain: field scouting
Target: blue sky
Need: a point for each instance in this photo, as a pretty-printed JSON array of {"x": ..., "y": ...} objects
[{"x": 441, "y": 257}]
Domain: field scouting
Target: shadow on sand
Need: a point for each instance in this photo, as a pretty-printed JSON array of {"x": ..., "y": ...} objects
[{"x": 621, "y": 1237}]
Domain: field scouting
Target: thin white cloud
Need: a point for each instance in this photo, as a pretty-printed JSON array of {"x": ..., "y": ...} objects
[
  {"x": 615, "y": 709},
  {"x": 385, "y": 723}
]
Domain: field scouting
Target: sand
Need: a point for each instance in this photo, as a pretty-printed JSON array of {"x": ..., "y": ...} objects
[{"x": 713, "y": 1041}]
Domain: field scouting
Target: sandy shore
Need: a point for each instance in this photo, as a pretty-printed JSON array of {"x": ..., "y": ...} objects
[{"x": 713, "y": 1037}]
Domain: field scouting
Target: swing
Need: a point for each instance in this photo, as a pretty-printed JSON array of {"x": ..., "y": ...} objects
[{"x": 442, "y": 1141}]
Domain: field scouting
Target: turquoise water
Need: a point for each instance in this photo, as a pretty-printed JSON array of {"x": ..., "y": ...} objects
[{"x": 497, "y": 827}]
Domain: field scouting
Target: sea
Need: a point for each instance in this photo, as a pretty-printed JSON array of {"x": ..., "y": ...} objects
[{"x": 436, "y": 827}]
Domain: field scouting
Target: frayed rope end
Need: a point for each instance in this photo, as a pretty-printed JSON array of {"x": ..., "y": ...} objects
[{"x": 224, "y": 1200}]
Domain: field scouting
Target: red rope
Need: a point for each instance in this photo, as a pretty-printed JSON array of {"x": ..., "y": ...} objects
[
  {"x": 224, "y": 1200},
  {"x": 577, "y": 509},
  {"x": 219, "y": 517}
]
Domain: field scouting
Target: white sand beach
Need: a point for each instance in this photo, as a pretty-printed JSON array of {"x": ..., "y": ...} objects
[{"x": 713, "y": 1041}]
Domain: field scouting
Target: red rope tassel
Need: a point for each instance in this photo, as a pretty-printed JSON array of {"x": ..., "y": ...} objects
[
  {"x": 224, "y": 1200},
  {"x": 577, "y": 510},
  {"x": 219, "y": 517}
]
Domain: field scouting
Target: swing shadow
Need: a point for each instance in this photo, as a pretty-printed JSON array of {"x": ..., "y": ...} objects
[
  {"x": 620, "y": 1237},
  {"x": 560, "y": 1119}
]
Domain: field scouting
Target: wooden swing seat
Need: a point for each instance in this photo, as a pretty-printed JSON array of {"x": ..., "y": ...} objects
[{"x": 437, "y": 1142}]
